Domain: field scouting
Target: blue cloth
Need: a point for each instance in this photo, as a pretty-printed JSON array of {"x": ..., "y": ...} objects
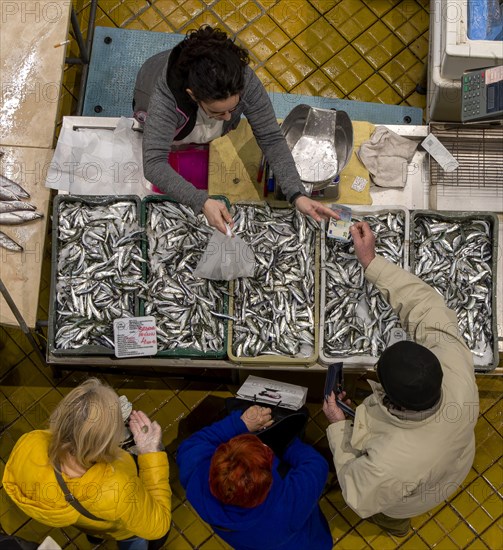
[
  {"x": 134, "y": 543},
  {"x": 290, "y": 517}
]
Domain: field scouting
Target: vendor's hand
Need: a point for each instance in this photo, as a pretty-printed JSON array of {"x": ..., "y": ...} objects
[
  {"x": 315, "y": 209},
  {"x": 257, "y": 418},
  {"x": 331, "y": 410},
  {"x": 147, "y": 435},
  {"x": 364, "y": 242},
  {"x": 217, "y": 215}
]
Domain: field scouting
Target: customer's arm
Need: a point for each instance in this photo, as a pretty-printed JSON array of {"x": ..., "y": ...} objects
[
  {"x": 305, "y": 480},
  {"x": 423, "y": 312},
  {"x": 145, "y": 503}
]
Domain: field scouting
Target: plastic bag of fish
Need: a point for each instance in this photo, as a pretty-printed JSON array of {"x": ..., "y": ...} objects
[
  {"x": 191, "y": 313},
  {"x": 356, "y": 318},
  {"x": 98, "y": 272},
  {"x": 274, "y": 311},
  {"x": 455, "y": 256}
]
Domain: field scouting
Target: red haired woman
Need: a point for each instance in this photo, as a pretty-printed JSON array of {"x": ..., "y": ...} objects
[{"x": 232, "y": 480}]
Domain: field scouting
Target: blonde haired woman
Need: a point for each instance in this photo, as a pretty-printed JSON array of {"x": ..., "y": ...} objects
[{"x": 100, "y": 490}]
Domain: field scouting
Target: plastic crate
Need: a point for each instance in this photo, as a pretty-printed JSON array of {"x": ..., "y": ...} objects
[
  {"x": 280, "y": 360},
  {"x": 181, "y": 352},
  {"x": 360, "y": 212},
  {"x": 91, "y": 201},
  {"x": 480, "y": 363}
]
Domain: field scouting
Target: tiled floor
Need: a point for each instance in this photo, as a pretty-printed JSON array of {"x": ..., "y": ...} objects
[{"x": 369, "y": 50}]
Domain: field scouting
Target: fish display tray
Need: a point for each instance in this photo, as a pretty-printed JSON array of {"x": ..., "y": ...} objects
[
  {"x": 363, "y": 358},
  {"x": 90, "y": 202},
  {"x": 275, "y": 359},
  {"x": 185, "y": 324},
  {"x": 489, "y": 359}
]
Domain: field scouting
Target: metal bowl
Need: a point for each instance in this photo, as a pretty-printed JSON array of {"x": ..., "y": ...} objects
[{"x": 321, "y": 142}]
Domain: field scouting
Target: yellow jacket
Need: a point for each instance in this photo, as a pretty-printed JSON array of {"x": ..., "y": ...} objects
[{"x": 131, "y": 503}]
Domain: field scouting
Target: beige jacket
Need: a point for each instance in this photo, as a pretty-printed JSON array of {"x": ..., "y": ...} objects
[{"x": 405, "y": 467}]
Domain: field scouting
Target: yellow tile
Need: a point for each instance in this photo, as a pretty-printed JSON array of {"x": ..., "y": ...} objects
[
  {"x": 324, "y": 5},
  {"x": 375, "y": 89},
  {"x": 381, "y": 7},
  {"x": 493, "y": 537},
  {"x": 490, "y": 391},
  {"x": 197, "y": 533},
  {"x": 11, "y": 435},
  {"x": 383, "y": 541},
  {"x": 378, "y": 45},
  {"x": 38, "y": 414},
  {"x": 320, "y": 41},
  {"x": 26, "y": 386},
  {"x": 414, "y": 27},
  {"x": 215, "y": 543},
  {"x": 352, "y": 541},
  {"x": 461, "y": 535},
  {"x": 268, "y": 80},
  {"x": 414, "y": 543},
  {"x": 464, "y": 504},
  {"x": 293, "y": 17},
  {"x": 347, "y": 69},
  {"x": 351, "y": 18},
  {"x": 401, "y": 13},
  {"x": 264, "y": 38},
  {"x": 8, "y": 413},
  {"x": 479, "y": 520},
  {"x": 179, "y": 14},
  {"x": 432, "y": 533},
  {"x": 12, "y": 518},
  {"x": 290, "y": 66},
  {"x": 336, "y": 499},
  {"x": 12, "y": 354},
  {"x": 495, "y": 416},
  {"x": 184, "y": 516},
  {"x": 236, "y": 14},
  {"x": 477, "y": 544},
  {"x": 416, "y": 100},
  {"x": 447, "y": 518},
  {"x": 488, "y": 445},
  {"x": 317, "y": 84},
  {"x": 420, "y": 47},
  {"x": 493, "y": 505},
  {"x": 494, "y": 475},
  {"x": 205, "y": 18},
  {"x": 177, "y": 542},
  {"x": 399, "y": 66}
]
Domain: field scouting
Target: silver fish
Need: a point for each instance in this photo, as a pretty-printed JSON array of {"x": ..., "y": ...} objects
[
  {"x": 11, "y": 206},
  {"x": 19, "y": 216},
  {"x": 7, "y": 184},
  {"x": 9, "y": 244}
]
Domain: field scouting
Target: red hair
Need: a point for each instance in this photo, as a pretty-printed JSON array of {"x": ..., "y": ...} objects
[{"x": 241, "y": 471}]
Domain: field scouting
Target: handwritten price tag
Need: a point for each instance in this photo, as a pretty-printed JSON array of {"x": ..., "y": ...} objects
[{"x": 135, "y": 336}]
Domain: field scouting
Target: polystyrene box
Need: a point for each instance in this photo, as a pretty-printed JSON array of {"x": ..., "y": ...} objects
[{"x": 458, "y": 52}]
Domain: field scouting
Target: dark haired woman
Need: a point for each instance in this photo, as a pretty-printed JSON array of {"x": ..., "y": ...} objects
[
  {"x": 231, "y": 479},
  {"x": 196, "y": 93}
]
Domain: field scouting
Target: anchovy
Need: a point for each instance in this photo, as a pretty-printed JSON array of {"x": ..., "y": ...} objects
[
  {"x": 9, "y": 186},
  {"x": 11, "y": 206},
  {"x": 19, "y": 217},
  {"x": 191, "y": 313},
  {"x": 455, "y": 257},
  {"x": 9, "y": 244},
  {"x": 357, "y": 319},
  {"x": 98, "y": 275},
  {"x": 275, "y": 309}
]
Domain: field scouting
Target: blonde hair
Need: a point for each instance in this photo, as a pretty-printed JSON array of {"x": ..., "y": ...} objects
[{"x": 87, "y": 424}]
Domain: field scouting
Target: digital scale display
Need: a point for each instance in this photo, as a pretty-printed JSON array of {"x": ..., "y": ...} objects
[{"x": 482, "y": 94}]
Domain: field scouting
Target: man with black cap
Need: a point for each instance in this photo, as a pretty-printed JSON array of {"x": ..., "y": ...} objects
[{"x": 412, "y": 441}]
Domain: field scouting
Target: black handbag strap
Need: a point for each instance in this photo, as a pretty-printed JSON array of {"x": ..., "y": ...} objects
[{"x": 70, "y": 498}]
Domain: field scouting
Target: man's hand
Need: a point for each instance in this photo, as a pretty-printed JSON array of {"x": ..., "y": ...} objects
[
  {"x": 217, "y": 215},
  {"x": 315, "y": 209},
  {"x": 332, "y": 411},
  {"x": 257, "y": 418},
  {"x": 364, "y": 242}
]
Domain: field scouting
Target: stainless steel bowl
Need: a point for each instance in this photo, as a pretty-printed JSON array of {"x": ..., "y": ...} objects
[{"x": 321, "y": 141}]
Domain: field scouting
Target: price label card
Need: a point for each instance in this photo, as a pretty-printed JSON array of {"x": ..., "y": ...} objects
[
  {"x": 339, "y": 229},
  {"x": 135, "y": 336}
]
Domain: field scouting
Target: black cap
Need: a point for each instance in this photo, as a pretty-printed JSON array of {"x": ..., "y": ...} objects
[{"x": 411, "y": 375}]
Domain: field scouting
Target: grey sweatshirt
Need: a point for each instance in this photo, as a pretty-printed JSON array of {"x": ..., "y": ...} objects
[{"x": 165, "y": 117}]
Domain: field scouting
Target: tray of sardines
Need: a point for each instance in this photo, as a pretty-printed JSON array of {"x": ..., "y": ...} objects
[
  {"x": 96, "y": 271},
  {"x": 274, "y": 313},
  {"x": 356, "y": 321},
  {"x": 456, "y": 253},
  {"x": 190, "y": 312}
]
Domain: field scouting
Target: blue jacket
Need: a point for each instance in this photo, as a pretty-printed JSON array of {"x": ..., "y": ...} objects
[{"x": 290, "y": 517}]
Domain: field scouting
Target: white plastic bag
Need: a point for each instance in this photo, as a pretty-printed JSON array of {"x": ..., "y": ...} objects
[{"x": 226, "y": 257}]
